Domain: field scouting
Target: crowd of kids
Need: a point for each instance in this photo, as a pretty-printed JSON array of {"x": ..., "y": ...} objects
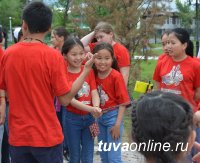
[{"x": 86, "y": 82}]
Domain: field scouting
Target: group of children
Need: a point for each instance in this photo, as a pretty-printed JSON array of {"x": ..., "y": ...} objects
[
  {"x": 42, "y": 73},
  {"x": 91, "y": 88}
]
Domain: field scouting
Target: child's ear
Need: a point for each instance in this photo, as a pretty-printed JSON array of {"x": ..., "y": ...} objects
[
  {"x": 62, "y": 39},
  {"x": 24, "y": 26}
]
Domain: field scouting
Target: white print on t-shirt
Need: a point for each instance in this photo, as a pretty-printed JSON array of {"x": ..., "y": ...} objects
[
  {"x": 173, "y": 77},
  {"x": 171, "y": 91},
  {"x": 103, "y": 96},
  {"x": 85, "y": 90}
]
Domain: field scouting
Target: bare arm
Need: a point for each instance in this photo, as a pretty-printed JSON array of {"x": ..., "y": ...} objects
[
  {"x": 95, "y": 98},
  {"x": 125, "y": 73},
  {"x": 86, "y": 40},
  {"x": 95, "y": 111},
  {"x": 77, "y": 84},
  {"x": 2, "y": 107},
  {"x": 197, "y": 94}
]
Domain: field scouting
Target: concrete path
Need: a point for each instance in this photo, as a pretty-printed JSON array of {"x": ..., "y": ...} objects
[{"x": 127, "y": 157}]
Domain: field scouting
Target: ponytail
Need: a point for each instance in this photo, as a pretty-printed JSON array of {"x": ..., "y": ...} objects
[{"x": 190, "y": 49}]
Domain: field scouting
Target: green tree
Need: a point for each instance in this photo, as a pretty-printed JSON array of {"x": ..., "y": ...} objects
[
  {"x": 61, "y": 9},
  {"x": 12, "y": 9},
  {"x": 125, "y": 16},
  {"x": 185, "y": 13}
]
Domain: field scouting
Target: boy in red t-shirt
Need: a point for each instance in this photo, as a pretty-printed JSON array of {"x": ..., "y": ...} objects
[{"x": 32, "y": 74}]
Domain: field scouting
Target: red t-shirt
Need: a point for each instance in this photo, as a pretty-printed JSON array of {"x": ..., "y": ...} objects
[
  {"x": 181, "y": 78},
  {"x": 162, "y": 56},
  {"x": 32, "y": 74},
  {"x": 84, "y": 94},
  {"x": 112, "y": 90},
  {"x": 120, "y": 52}
]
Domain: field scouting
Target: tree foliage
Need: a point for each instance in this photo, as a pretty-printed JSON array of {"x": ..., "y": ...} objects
[
  {"x": 185, "y": 13},
  {"x": 125, "y": 16},
  {"x": 12, "y": 9},
  {"x": 61, "y": 9}
]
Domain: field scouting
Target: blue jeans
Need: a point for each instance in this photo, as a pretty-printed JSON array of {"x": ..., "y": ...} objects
[
  {"x": 65, "y": 142},
  {"x": 1, "y": 138},
  {"x": 80, "y": 141},
  {"x": 107, "y": 153}
]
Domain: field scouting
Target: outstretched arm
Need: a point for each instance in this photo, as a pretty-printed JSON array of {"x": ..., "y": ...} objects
[
  {"x": 77, "y": 84},
  {"x": 95, "y": 111},
  {"x": 86, "y": 40}
]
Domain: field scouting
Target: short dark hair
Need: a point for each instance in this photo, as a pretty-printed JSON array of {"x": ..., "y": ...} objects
[
  {"x": 61, "y": 31},
  {"x": 164, "y": 118},
  {"x": 38, "y": 17}
]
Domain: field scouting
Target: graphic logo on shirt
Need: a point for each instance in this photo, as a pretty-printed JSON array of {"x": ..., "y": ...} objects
[
  {"x": 173, "y": 77},
  {"x": 103, "y": 96},
  {"x": 85, "y": 90}
]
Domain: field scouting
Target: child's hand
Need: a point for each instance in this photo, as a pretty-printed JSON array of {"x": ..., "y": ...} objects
[
  {"x": 90, "y": 60},
  {"x": 196, "y": 119},
  {"x": 115, "y": 132},
  {"x": 96, "y": 112}
]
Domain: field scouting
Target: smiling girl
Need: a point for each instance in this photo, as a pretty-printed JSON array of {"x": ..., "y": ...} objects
[{"x": 113, "y": 100}]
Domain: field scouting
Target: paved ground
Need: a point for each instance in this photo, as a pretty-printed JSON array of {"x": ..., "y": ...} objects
[{"x": 127, "y": 157}]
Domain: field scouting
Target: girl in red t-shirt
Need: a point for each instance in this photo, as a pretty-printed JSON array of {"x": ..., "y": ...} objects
[
  {"x": 103, "y": 32},
  {"x": 179, "y": 73},
  {"x": 113, "y": 100},
  {"x": 77, "y": 115}
]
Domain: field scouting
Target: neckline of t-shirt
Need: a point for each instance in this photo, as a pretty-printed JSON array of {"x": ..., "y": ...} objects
[
  {"x": 31, "y": 43},
  {"x": 186, "y": 58},
  {"x": 106, "y": 76},
  {"x": 76, "y": 73}
]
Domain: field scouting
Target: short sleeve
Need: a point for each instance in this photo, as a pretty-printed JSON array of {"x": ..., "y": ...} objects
[
  {"x": 121, "y": 91},
  {"x": 156, "y": 74},
  {"x": 122, "y": 55},
  {"x": 58, "y": 77},
  {"x": 197, "y": 75}
]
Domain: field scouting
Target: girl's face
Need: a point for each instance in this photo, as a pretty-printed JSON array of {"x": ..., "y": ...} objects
[
  {"x": 103, "y": 61},
  {"x": 56, "y": 40},
  {"x": 104, "y": 37},
  {"x": 75, "y": 56},
  {"x": 164, "y": 43},
  {"x": 175, "y": 47}
]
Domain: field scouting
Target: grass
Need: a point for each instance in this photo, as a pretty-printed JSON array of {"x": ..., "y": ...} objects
[{"x": 145, "y": 74}]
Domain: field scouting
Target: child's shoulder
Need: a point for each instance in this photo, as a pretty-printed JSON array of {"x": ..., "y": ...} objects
[
  {"x": 119, "y": 46},
  {"x": 115, "y": 73}
]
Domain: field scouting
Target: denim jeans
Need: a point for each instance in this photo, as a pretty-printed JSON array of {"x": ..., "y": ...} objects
[
  {"x": 80, "y": 141},
  {"x": 108, "y": 154},
  {"x": 65, "y": 142},
  {"x": 1, "y": 138}
]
